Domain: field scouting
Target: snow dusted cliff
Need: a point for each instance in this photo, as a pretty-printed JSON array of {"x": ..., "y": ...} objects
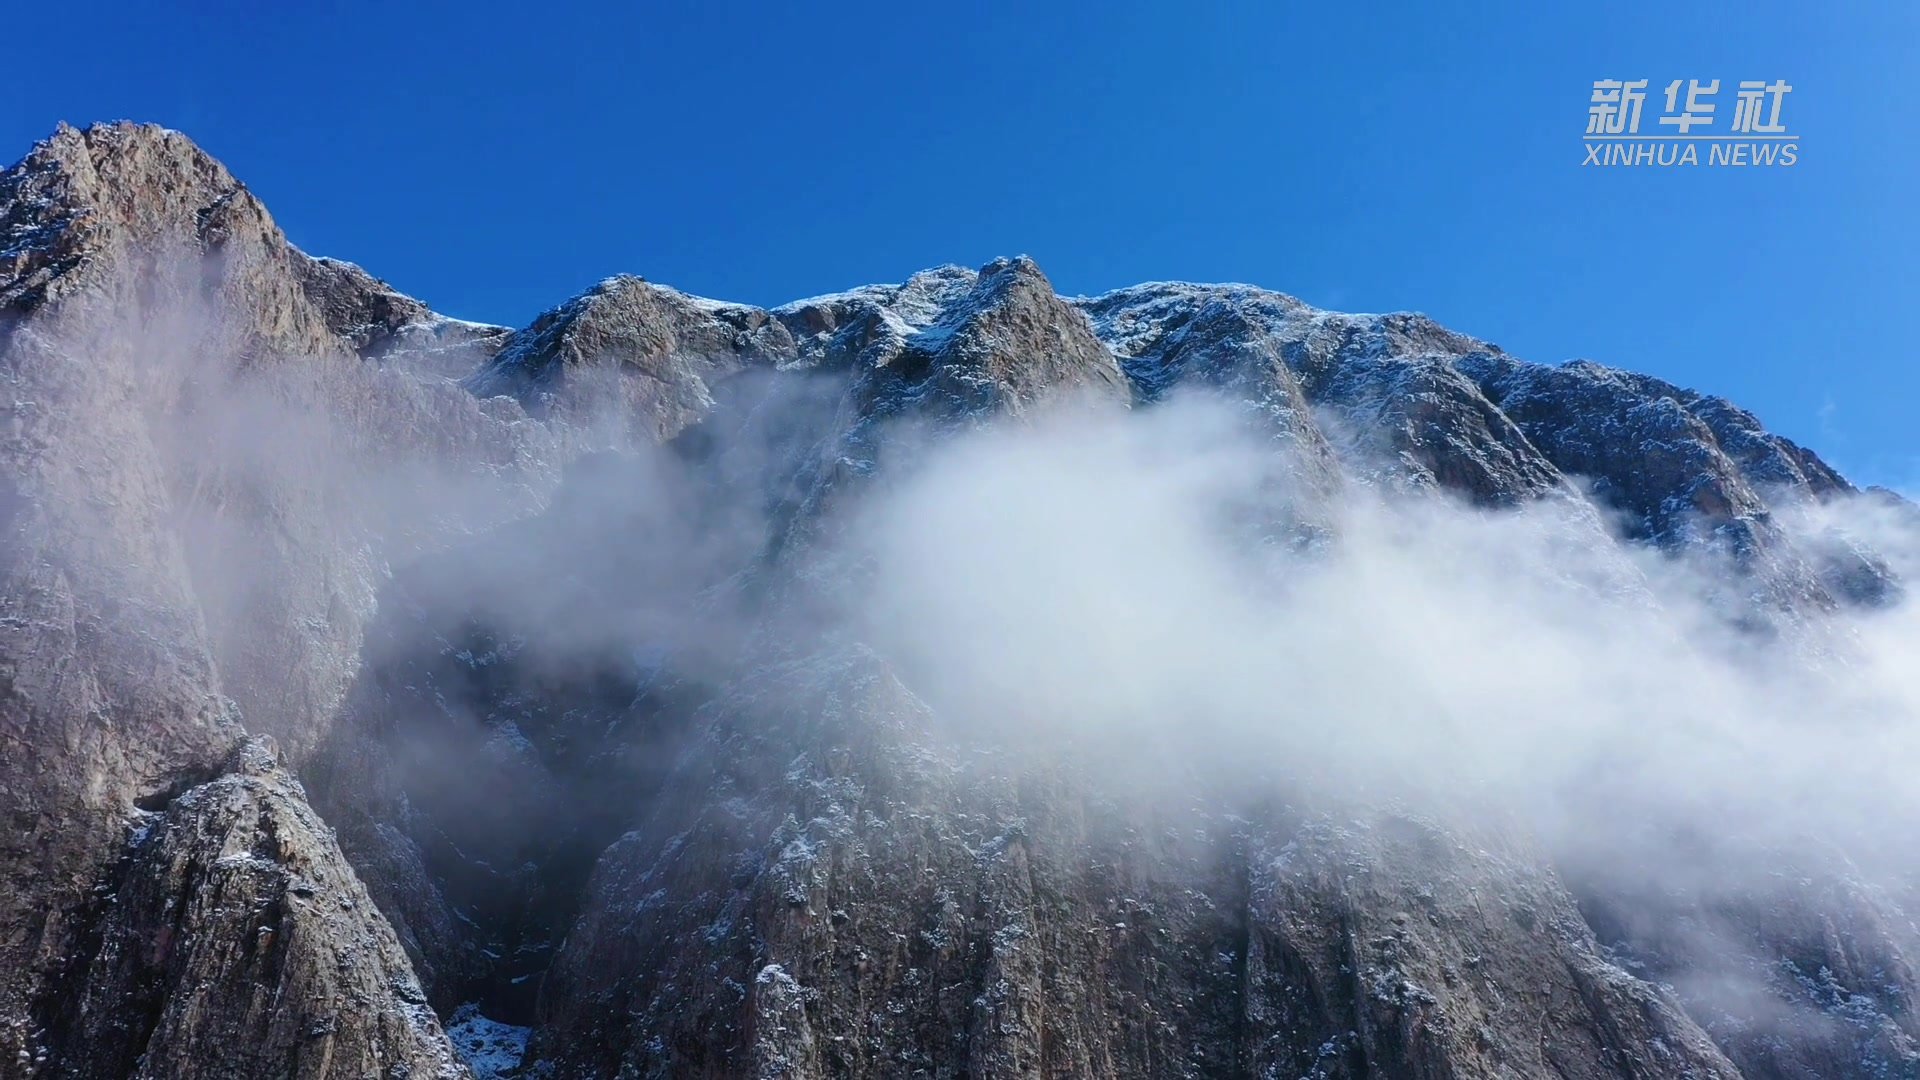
[{"x": 366, "y": 671}]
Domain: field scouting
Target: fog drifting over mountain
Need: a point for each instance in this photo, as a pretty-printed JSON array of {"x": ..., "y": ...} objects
[{"x": 947, "y": 678}]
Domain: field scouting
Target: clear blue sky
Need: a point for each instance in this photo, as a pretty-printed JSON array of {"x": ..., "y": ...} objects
[{"x": 494, "y": 159}]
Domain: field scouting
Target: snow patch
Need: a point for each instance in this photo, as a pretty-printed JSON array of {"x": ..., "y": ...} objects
[{"x": 490, "y": 1048}]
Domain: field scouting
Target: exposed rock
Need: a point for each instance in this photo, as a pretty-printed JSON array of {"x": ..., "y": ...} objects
[
  {"x": 363, "y": 310},
  {"x": 380, "y": 323},
  {"x": 851, "y": 897},
  {"x": 1228, "y": 339},
  {"x": 1683, "y": 469},
  {"x": 1402, "y": 949},
  {"x": 236, "y": 941},
  {"x": 1803, "y": 973},
  {"x": 647, "y": 354}
]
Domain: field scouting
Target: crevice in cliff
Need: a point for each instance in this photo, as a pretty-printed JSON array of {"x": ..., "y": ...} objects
[
  {"x": 162, "y": 798},
  {"x": 501, "y": 779},
  {"x": 59, "y": 1014}
]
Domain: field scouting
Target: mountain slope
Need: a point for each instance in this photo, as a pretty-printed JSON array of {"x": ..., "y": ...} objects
[
  {"x": 551, "y": 626},
  {"x": 172, "y": 565}
]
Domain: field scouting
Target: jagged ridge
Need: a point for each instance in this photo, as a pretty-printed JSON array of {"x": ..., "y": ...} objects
[{"x": 816, "y": 884}]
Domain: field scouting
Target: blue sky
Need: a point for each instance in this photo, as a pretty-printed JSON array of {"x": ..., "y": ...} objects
[{"x": 496, "y": 159}]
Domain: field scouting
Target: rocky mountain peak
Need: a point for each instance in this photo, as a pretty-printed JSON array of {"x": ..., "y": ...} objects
[
  {"x": 81, "y": 196},
  {"x": 655, "y": 349},
  {"x": 1012, "y": 340},
  {"x": 143, "y": 212}
]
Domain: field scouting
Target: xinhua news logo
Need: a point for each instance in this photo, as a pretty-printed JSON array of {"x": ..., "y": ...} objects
[{"x": 1688, "y": 130}]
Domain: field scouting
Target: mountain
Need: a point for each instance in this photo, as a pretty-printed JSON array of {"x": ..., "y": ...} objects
[{"x": 391, "y": 695}]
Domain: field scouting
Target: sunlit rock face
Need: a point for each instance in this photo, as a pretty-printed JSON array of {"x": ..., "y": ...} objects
[{"x": 370, "y": 677}]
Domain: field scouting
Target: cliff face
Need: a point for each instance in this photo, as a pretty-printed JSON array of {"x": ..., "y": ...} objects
[
  {"x": 234, "y": 940},
  {"x": 272, "y": 528},
  {"x": 170, "y": 568}
]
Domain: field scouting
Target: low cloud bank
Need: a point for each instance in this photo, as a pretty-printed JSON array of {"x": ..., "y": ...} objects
[{"x": 1092, "y": 583}]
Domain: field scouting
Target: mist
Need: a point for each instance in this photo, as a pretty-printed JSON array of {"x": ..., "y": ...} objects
[
  {"x": 1088, "y": 584},
  {"x": 512, "y": 627},
  {"x": 1130, "y": 589}
]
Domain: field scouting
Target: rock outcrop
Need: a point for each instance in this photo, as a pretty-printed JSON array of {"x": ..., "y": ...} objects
[{"x": 235, "y": 940}]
